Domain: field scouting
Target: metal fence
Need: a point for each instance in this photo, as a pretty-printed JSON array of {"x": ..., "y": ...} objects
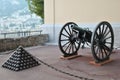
[{"x": 19, "y": 34}]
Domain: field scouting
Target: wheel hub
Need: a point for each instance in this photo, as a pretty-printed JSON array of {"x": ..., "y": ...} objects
[
  {"x": 101, "y": 40},
  {"x": 72, "y": 38}
]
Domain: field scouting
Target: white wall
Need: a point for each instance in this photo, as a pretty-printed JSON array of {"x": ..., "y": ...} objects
[{"x": 86, "y": 13}]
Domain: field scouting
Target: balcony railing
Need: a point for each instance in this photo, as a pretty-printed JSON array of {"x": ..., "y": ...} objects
[{"x": 19, "y": 34}]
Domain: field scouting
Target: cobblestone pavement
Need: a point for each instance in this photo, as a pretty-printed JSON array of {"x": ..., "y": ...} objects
[{"x": 79, "y": 66}]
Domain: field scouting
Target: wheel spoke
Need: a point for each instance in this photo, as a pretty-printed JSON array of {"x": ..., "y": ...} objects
[
  {"x": 72, "y": 48},
  {"x": 106, "y": 47},
  {"x": 108, "y": 38},
  {"x": 64, "y": 40},
  {"x": 99, "y": 29},
  {"x": 67, "y": 47},
  {"x": 99, "y": 55},
  {"x": 103, "y": 29},
  {"x": 97, "y": 50},
  {"x": 97, "y": 35},
  {"x": 105, "y": 51},
  {"x": 65, "y": 44},
  {"x": 102, "y": 53},
  {"x": 65, "y": 35},
  {"x": 67, "y": 31},
  {"x": 108, "y": 42},
  {"x": 106, "y": 34},
  {"x": 75, "y": 46}
]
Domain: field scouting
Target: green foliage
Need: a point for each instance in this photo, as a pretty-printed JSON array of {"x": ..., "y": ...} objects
[{"x": 37, "y": 7}]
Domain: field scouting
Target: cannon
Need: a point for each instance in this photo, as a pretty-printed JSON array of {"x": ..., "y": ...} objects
[{"x": 72, "y": 37}]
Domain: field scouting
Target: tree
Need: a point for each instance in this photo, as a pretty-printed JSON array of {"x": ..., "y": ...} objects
[{"x": 37, "y": 7}]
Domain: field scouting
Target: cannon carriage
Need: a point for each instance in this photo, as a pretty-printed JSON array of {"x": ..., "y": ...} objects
[{"x": 72, "y": 37}]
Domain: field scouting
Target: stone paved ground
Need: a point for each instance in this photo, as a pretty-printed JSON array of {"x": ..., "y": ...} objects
[{"x": 79, "y": 66}]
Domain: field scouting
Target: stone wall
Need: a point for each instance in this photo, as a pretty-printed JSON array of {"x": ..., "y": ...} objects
[{"x": 13, "y": 43}]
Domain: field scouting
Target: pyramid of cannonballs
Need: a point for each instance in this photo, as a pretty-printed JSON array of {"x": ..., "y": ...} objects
[{"x": 20, "y": 60}]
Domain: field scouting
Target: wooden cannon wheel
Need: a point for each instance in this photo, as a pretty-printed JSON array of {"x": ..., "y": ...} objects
[
  {"x": 102, "y": 41},
  {"x": 69, "y": 42}
]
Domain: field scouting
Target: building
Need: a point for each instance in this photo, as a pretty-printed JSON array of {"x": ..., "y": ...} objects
[{"x": 86, "y": 13}]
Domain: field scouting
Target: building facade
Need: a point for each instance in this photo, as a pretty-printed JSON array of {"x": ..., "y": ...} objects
[{"x": 86, "y": 13}]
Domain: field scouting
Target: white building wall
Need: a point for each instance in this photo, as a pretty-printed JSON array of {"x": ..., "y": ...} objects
[{"x": 86, "y": 13}]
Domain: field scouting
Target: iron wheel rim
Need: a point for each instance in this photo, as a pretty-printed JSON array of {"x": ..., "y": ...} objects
[
  {"x": 69, "y": 42},
  {"x": 102, "y": 41}
]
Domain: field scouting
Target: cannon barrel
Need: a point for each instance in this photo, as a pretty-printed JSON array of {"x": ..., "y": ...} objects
[
  {"x": 85, "y": 34},
  {"x": 81, "y": 31}
]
